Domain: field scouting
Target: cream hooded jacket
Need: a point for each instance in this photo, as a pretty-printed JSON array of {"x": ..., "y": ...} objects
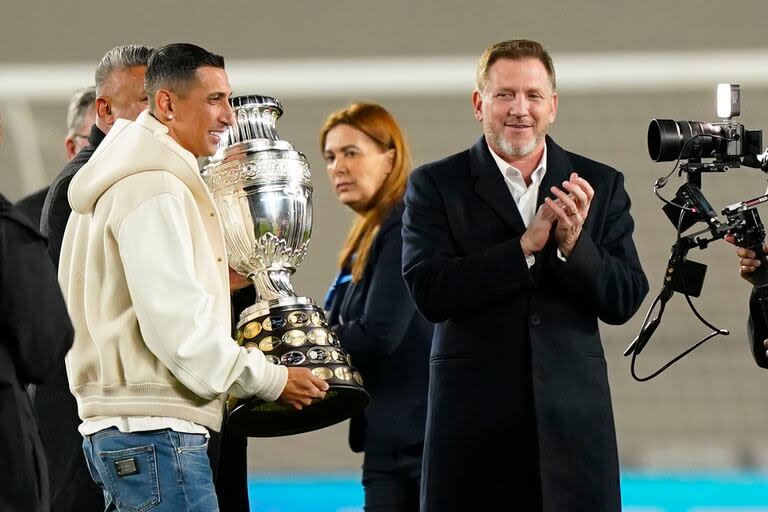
[{"x": 145, "y": 276}]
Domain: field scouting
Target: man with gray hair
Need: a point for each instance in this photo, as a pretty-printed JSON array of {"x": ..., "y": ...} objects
[
  {"x": 118, "y": 94},
  {"x": 81, "y": 113}
]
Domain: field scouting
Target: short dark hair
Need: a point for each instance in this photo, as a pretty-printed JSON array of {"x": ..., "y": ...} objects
[
  {"x": 120, "y": 57},
  {"x": 514, "y": 49},
  {"x": 173, "y": 67}
]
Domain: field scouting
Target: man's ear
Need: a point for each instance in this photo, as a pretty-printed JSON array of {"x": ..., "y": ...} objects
[
  {"x": 104, "y": 110},
  {"x": 477, "y": 104},
  {"x": 69, "y": 146},
  {"x": 553, "y": 115},
  {"x": 164, "y": 108}
]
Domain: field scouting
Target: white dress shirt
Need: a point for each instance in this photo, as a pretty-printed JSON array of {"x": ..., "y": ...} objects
[{"x": 524, "y": 195}]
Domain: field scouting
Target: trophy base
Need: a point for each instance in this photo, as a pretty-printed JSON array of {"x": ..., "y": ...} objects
[
  {"x": 293, "y": 332},
  {"x": 256, "y": 418}
]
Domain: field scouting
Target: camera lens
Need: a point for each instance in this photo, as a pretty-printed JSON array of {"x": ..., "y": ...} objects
[
  {"x": 669, "y": 140},
  {"x": 663, "y": 140}
]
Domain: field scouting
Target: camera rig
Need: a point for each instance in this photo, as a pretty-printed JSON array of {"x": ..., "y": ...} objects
[{"x": 729, "y": 145}]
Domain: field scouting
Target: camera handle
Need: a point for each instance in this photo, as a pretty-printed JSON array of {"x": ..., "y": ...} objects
[
  {"x": 687, "y": 277},
  {"x": 683, "y": 276},
  {"x": 667, "y": 290}
]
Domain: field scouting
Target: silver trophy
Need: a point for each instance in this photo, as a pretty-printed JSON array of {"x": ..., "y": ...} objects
[{"x": 263, "y": 190}]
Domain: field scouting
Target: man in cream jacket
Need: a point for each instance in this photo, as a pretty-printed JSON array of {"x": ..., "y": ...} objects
[{"x": 144, "y": 272}]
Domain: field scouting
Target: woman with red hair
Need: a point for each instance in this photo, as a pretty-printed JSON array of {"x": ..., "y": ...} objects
[{"x": 369, "y": 307}]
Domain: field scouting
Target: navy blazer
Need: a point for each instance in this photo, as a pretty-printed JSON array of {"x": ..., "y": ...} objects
[
  {"x": 518, "y": 376},
  {"x": 389, "y": 342}
]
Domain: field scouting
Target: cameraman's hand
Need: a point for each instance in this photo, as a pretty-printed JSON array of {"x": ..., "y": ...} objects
[
  {"x": 537, "y": 235},
  {"x": 749, "y": 261},
  {"x": 302, "y": 387}
]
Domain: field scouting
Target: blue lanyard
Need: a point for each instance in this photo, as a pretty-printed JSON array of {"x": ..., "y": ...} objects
[{"x": 344, "y": 276}]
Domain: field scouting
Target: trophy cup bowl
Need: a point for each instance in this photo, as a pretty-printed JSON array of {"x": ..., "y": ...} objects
[{"x": 262, "y": 188}]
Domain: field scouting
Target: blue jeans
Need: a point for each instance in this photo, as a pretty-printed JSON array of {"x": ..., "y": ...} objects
[{"x": 157, "y": 470}]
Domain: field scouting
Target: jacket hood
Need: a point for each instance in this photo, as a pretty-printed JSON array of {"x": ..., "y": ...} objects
[{"x": 130, "y": 148}]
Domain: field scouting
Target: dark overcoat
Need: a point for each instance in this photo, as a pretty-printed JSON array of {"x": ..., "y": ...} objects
[
  {"x": 35, "y": 333},
  {"x": 520, "y": 414}
]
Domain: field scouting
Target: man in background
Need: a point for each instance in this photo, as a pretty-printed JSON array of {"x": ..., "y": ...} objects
[
  {"x": 118, "y": 94},
  {"x": 35, "y": 333},
  {"x": 81, "y": 114}
]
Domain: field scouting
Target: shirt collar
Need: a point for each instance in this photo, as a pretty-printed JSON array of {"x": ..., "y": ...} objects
[{"x": 503, "y": 165}]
